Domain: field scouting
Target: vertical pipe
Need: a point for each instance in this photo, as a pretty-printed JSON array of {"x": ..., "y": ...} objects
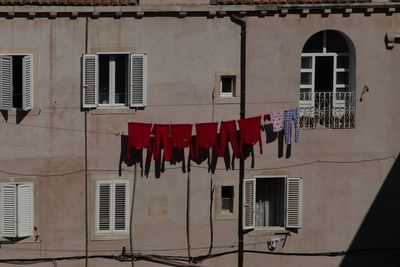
[
  {"x": 188, "y": 218},
  {"x": 86, "y": 164},
  {"x": 237, "y": 20}
]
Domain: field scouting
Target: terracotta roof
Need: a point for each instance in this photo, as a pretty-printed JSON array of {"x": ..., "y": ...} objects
[{"x": 70, "y": 2}]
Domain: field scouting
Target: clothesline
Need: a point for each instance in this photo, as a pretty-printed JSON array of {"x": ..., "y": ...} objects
[{"x": 174, "y": 138}]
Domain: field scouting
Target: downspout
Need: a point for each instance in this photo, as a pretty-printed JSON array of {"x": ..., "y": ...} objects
[
  {"x": 86, "y": 164},
  {"x": 242, "y": 23}
]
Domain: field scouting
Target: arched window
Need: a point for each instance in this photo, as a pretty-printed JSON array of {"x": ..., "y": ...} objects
[{"x": 327, "y": 97}]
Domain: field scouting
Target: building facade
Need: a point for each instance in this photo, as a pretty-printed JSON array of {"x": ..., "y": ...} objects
[{"x": 74, "y": 74}]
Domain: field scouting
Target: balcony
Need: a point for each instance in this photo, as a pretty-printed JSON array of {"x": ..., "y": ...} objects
[{"x": 327, "y": 110}]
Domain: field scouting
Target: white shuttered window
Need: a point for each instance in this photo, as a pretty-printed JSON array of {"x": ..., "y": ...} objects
[
  {"x": 17, "y": 210},
  {"x": 114, "y": 80},
  {"x": 112, "y": 213},
  {"x": 16, "y": 82},
  {"x": 272, "y": 202}
]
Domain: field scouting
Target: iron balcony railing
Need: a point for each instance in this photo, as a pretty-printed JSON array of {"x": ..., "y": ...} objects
[{"x": 327, "y": 110}]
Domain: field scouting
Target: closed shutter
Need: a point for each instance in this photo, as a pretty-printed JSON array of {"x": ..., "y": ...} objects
[
  {"x": 90, "y": 81},
  {"x": 6, "y": 93},
  {"x": 103, "y": 206},
  {"x": 120, "y": 222},
  {"x": 25, "y": 219},
  {"x": 138, "y": 80},
  {"x": 294, "y": 196},
  {"x": 249, "y": 197},
  {"x": 8, "y": 210},
  {"x": 27, "y": 82}
]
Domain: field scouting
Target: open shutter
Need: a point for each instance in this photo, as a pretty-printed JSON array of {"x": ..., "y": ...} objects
[
  {"x": 6, "y": 93},
  {"x": 120, "y": 219},
  {"x": 294, "y": 196},
  {"x": 249, "y": 198},
  {"x": 90, "y": 81},
  {"x": 25, "y": 210},
  {"x": 8, "y": 210},
  {"x": 103, "y": 206},
  {"x": 138, "y": 80},
  {"x": 27, "y": 82}
]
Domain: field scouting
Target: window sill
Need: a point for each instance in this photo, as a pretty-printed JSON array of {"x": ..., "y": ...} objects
[
  {"x": 268, "y": 231},
  {"x": 112, "y": 110},
  {"x": 227, "y": 100},
  {"x": 100, "y": 237}
]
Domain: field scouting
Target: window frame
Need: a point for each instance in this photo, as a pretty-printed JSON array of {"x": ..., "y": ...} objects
[
  {"x": 112, "y": 231},
  {"x": 28, "y": 212},
  {"x": 27, "y": 83},
  {"x": 136, "y": 96},
  {"x": 249, "y": 203},
  {"x": 232, "y": 92}
]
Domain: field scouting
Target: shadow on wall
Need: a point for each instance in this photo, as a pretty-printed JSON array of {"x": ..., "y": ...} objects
[{"x": 377, "y": 242}]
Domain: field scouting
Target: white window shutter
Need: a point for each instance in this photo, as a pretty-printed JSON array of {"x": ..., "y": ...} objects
[
  {"x": 138, "y": 80},
  {"x": 120, "y": 210},
  {"x": 8, "y": 210},
  {"x": 27, "y": 82},
  {"x": 90, "y": 81},
  {"x": 103, "y": 217},
  {"x": 294, "y": 197},
  {"x": 25, "y": 208},
  {"x": 249, "y": 199},
  {"x": 6, "y": 92}
]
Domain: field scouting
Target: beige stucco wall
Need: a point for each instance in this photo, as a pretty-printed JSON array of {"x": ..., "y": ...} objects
[{"x": 183, "y": 55}]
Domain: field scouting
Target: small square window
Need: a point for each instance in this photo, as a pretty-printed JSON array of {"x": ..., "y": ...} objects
[
  {"x": 228, "y": 85},
  {"x": 226, "y": 199}
]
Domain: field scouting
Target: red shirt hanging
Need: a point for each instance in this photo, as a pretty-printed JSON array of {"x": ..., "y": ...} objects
[
  {"x": 250, "y": 132},
  {"x": 138, "y": 136},
  {"x": 206, "y": 136}
]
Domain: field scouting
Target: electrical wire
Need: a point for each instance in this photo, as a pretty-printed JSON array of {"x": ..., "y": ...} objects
[{"x": 202, "y": 167}]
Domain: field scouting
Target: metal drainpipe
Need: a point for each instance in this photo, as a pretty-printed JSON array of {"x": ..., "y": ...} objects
[{"x": 242, "y": 23}]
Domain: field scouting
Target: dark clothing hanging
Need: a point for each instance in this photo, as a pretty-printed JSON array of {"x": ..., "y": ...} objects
[{"x": 181, "y": 137}]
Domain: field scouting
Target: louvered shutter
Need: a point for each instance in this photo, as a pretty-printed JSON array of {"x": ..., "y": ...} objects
[
  {"x": 294, "y": 196},
  {"x": 103, "y": 206},
  {"x": 120, "y": 211},
  {"x": 138, "y": 80},
  {"x": 249, "y": 198},
  {"x": 25, "y": 208},
  {"x": 8, "y": 210},
  {"x": 90, "y": 81},
  {"x": 27, "y": 82},
  {"x": 6, "y": 93}
]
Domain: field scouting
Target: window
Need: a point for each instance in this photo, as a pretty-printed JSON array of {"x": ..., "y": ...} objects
[
  {"x": 226, "y": 82},
  {"x": 16, "y": 82},
  {"x": 327, "y": 98},
  {"x": 228, "y": 86},
  {"x": 112, "y": 209},
  {"x": 227, "y": 199},
  {"x": 17, "y": 210},
  {"x": 272, "y": 202},
  {"x": 114, "y": 80}
]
